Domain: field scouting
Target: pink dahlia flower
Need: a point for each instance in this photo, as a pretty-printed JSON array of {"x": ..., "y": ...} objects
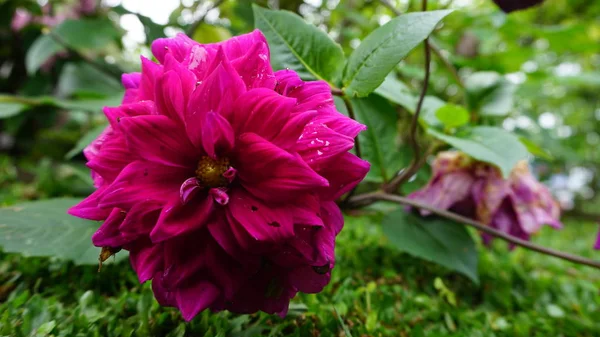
[
  {"x": 220, "y": 177},
  {"x": 519, "y": 205}
]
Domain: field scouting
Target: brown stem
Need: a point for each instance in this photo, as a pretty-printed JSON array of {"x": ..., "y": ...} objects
[
  {"x": 368, "y": 198},
  {"x": 413, "y": 168},
  {"x": 337, "y": 92},
  {"x": 447, "y": 64}
]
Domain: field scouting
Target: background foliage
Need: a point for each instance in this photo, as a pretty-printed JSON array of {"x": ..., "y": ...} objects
[{"x": 527, "y": 87}]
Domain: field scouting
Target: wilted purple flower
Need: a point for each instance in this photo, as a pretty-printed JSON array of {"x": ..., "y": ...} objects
[
  {"x": 515, "y": 5},
  {"x": 519, "y": 205}
]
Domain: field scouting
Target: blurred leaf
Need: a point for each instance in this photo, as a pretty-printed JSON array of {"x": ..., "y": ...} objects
[
  {"x": 41, "y": 51},
  {"x": 92, "y": 105},
  {"x": 206, "y": 33},
  {"x": 85, "y": 141},
  {"x": 434, "y": 239},
  {"x": 490, "y": 94},
  {"x": 152, "y": 29},
  {"x": 43, "y": 228},
  {"x": 535, "y": 149},
  {"x": 385, "y": 47},
  {"x": 298, "y": 45},
  {"x": 488, "y": 144},
  {"x": 379, "y": 142},
  {"x": 452, "y": 115},
  {"x": 10, "y": 109},
  {"x": 76, "y": 34},
  {"x": 82, "y": 78}
]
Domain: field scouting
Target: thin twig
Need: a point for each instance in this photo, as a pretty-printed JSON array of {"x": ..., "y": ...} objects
[
  {"x": 101, "y": 67},
  {"x": 413, "y": 168},
  {"x": 447, "y": 64},
  {"x": 365, "y": 199},
  {"x": 337, "y": 92},
  {"x": 197, "y": 23}
]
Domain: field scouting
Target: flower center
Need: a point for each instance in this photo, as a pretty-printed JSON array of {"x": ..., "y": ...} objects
[{"x": 210, "y": 172}]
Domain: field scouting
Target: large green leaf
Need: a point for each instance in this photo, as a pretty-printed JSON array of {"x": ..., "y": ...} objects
[
  {"x": 76, "y": 34},
  {"x": 379, "y": 143},
  {"x": 434, "y": 239},
  {"x": 299, "y": 46},
  {"x": 381, "y": 50},
  {"x": 43, "y": 228},
  {"x": 489, "y": 144}
]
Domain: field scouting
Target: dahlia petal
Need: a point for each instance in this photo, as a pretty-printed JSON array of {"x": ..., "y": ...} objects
[
  {"x": 150, "y": 73},
  {"x": 186, "y": 77},
  {"x": 332, "y": 216},
  {"x": 189, "y": 189},
  {"x": 271, "y": 173},
  {"x": 177, "y": 219},
  {"x": 343, "y": 174},
  {"x": 261, "y": 111},
  {"x": 179, "y": 47},
  {"x": 254, "y": 67},
  {"x": 114, "y": 115},
  {"x": 217, "y": 135},
  {"x": 143, "y": 181},
  {"x": 146, "y": 259},
  {"x": 163, "y": 296},
  {"x": 220, "y": 195},
  {"x": 184, "y": 257},
  {"x": 88, "y": 208},
  {"x": 339, "y": 123},
  {"x": 140, "y": 219},
  {"x": 306, "y": 280},
  {"x": 292, "y": 130},
  {"x": 306, "y": 210},
  {"x": 195, "y": 297},
  {"x": 263, "y": 222},
  {"x": 131, "y": 83},
  {"x": 158, "y": 139},
  {"x": 169, "y": 97},
  {"x": 445, "y": 191},
  {"x": 109, "y": 160},
  {"x": 318, "y": 145},
  {"x": 239, "y": 46},
  {"x": 108, "y": 235},
  {"x": 217, "y": 93}
]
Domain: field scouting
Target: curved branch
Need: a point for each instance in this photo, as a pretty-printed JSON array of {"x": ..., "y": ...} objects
[{"x": 365, "y": 199}]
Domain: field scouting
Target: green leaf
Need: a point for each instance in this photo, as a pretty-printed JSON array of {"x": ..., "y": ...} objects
[
  {"x": 379, "y": 143},
  {"x": 298, "y": 45},
  {"x": 397, "y": 92},
  {"x": 42, "y": 49},
  {"x": 452, "y": 115},
  {"x": 10, "y": 109},
  {"x": 385, "y": 47},
  {"x": 85, "y": 141},
  {"x": 488, "y": 144},
  {"x": 43, "y": 228},
  {"x": 490, "y": 94},
  {"x": 437, "y": 240},
  {"x": 76, "y": 34},
  {"x": 535, "y": 149}
]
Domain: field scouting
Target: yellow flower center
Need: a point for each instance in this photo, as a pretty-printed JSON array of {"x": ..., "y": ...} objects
[{"x": 210, "y": 172}]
